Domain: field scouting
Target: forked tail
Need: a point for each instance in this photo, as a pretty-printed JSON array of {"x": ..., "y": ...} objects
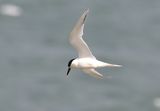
[{"x": 113, "y": 65}]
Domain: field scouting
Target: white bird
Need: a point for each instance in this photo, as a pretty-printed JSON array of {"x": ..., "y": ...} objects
[{"x": 86, "y": 61}]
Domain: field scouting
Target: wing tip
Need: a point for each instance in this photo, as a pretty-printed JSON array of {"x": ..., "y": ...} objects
[
  {"x": 85, "y": 14},
  {"x": 87, "y": 10}
]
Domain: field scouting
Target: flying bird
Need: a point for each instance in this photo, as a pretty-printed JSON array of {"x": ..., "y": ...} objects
[{"x": 86, "y": 61}]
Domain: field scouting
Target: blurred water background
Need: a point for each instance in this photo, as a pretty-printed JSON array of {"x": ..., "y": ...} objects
[{"x": 34, "y": 52}]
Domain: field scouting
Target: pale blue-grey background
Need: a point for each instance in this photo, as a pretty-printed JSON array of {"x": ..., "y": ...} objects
[{"x": 34, "y": 52}]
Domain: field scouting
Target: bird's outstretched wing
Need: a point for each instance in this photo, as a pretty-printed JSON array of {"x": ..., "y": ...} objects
[
  {"x": 76, "y": 39},
  {"x": 93, "y": 72}
]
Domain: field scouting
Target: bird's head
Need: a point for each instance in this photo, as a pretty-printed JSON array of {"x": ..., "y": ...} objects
[{"x": 69, "y": 65}]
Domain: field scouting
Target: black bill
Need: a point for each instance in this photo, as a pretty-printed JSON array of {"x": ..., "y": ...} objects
[{"x": 68, "y": 71}]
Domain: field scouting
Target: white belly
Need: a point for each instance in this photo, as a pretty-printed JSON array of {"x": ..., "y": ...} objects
[{"x": 87, "y": 63}]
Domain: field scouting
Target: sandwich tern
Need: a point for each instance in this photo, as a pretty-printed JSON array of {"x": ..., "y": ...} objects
[{"x": 86, "y": 61}]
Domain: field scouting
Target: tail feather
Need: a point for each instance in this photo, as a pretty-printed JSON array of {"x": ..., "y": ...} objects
[{"x": 113, "y": 65}]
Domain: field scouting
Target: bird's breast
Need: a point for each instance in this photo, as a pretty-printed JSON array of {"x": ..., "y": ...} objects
[{"x": 86, "y": 63}]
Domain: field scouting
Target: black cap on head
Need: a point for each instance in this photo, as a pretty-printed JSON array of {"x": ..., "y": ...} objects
[{"x": 69, "y": 64}]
